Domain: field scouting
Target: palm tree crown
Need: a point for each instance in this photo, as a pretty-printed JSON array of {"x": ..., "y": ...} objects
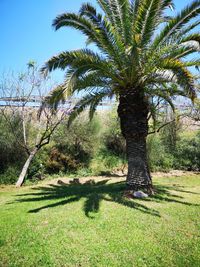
[{"x": 132, "y": 52}]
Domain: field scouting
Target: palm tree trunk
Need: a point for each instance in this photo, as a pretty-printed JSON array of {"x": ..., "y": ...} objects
[
  {"x": 23, "y": 173},
  {"x": 138, "y": 170},
  {"x": 133, "y": 112}
]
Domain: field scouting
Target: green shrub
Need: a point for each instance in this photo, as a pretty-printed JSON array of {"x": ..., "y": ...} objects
[
  {"x": 10, "y": 175},
  {"x": 187, "y": 153},
  {"x": 74, "y": 147},
  {"x": 11, "y": 152},
  {"x": 36, "y": 169},
  {"x": 60, "y": 162},
  {"x": 112, "y": 139},
  {"x": 84, "y": 172},
  {"x": 104, "y": 162},
  {"x": 159, "y": 159},
  {"x": 12, "y": 155}
]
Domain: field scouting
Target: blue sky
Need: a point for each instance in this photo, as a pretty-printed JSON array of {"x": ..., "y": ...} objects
[{"x": 26, "y": 32}]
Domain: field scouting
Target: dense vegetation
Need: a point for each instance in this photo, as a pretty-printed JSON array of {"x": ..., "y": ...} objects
[{"x": 97, "y": 148}]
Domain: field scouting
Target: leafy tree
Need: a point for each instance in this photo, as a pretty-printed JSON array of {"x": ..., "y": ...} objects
[{"x": 141, "y": 53}]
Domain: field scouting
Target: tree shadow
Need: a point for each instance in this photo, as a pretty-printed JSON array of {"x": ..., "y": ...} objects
[
  {"x": 93, "y": 194},
  {"x": 164, "y": 194}
]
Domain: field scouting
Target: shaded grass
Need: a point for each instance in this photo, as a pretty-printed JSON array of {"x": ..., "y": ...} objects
[{"x": 93, "y": 225}]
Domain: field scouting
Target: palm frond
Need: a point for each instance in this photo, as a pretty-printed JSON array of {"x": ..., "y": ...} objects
[
  {"x": 183, "y": 75},
  {"x": 91, "y": 99},
  {"x": 167, "y": 4},
  {"x": 110, "y": 40},
  {"x": 118, "y": 13},
  {"x": 98, "y": 99},
  {"x": 55, "y": 96},
  {"x": 176, "y": 50},
  {"x": 191, "y": 63},
  {"x": 124, "y": 11},
  {"x": 191, "y": 41},
  {"x": 92, "y": 83},
  {"x": 166, "y": 98},
  {"x": 76, "y": 81},
  {"x": 178, "y": 22},
  {"x": 108, "y": 10},
  {"x": 134, "y": 9},
  {"x": 162, "y": 94},
  {"x": 86, "y": 26},
  {"x": 168, "y": 89},
  {"x": 189, "y": 28},
  {"x": 61, "y": 61},
  {"x": 159, "y": 76},
  {"x": 182, "y": 51},
  {"x": 75, "y": 21},
  {"x": 148, "y": 17},
  {"x": 83, "y": 59}
]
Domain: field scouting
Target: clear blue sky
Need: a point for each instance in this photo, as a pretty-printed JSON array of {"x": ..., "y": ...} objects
[{"x": 26, "y": 32}]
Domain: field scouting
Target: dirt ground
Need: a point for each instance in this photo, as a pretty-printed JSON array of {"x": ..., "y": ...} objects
[{"x": 118, "y": 175}]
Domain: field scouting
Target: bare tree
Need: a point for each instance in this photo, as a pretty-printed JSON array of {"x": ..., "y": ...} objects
[
  {"x": 22, "y": 96},
  {"x": 181, "y": 113}
]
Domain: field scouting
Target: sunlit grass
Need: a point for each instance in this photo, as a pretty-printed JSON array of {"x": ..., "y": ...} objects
[{"x": 93, "y": 225}]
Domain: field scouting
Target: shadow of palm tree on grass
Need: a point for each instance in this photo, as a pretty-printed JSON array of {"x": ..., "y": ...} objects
[{"x": 94, "y": 193}]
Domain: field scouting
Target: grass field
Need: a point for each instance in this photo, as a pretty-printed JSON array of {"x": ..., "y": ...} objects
[{"x": 93, "y": 225}]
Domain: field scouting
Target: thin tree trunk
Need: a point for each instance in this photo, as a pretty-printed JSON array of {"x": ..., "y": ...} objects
[
  {"x": 23, "y": 173},
  {"x": 133, "y": 112}
]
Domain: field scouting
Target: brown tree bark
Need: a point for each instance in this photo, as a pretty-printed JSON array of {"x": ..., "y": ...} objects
[
  {"x": 138, "y": 170},
  {"x": 133, "y": 113}
]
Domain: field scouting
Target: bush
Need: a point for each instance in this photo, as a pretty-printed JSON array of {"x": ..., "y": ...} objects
[
  {"x": 159, "y": 159},
  {"x": 111, "y": 152},
  {"x": 187, "y": 153},
  {"x": 10, "y": 175},
  {"x": 113, "y": 141},
  {"x": 36, "y": 169},
  {"x": 104, "y": 162},
  {"x": 12, "y": 155},
  {"x": 11, "y": 152},
  {"x": 74, "y": 148},
  {"x": 184, "y": 156},
  {"x": 60, "y": 162}
]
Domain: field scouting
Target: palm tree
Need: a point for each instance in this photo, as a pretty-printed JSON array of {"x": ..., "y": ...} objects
[{"x": 141, "y": 53}]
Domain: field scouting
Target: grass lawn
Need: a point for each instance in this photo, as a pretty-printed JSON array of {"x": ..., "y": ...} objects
[{"x": 93, "y": 225}]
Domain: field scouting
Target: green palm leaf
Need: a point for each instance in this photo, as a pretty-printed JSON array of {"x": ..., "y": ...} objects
[
  {"x": 91, "y": 100},
  {"x": 176, "y": 23}
]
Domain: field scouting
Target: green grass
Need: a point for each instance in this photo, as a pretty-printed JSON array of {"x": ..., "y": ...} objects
[{"x": 92, "y": 225}]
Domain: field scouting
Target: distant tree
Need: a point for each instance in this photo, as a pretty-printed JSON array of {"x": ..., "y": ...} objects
[
  {"x": 21, "y": 98},
  {"x": 142, "y": 52}
]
